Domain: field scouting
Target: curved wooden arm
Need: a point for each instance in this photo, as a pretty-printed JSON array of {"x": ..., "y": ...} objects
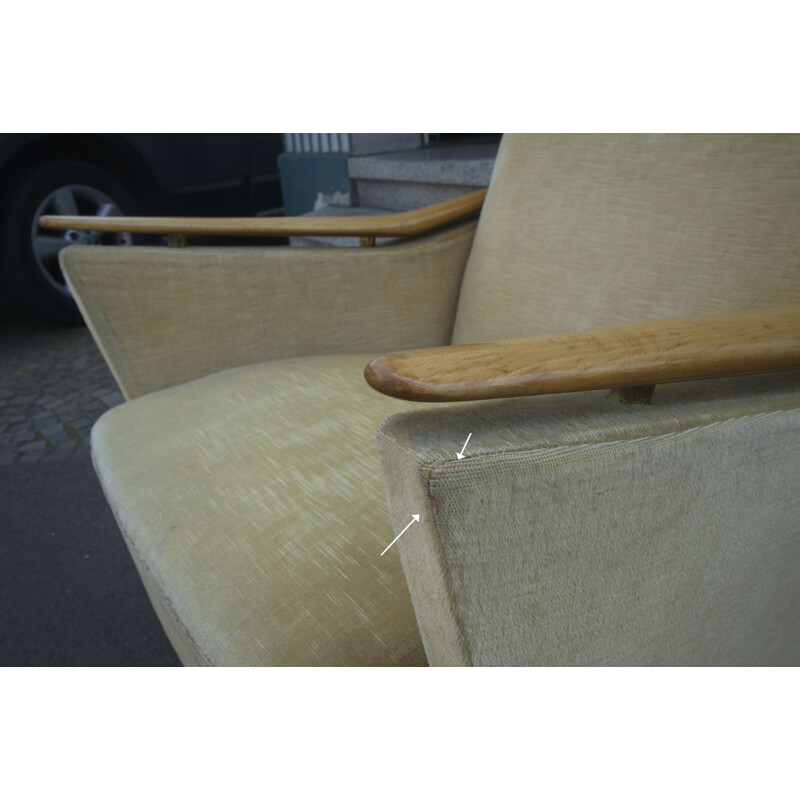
[
  {"x": 646, "y": 353},
  {"x": 405, "y": 223}
]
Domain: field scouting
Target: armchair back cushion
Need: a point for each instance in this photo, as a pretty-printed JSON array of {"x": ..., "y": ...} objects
[{"x": 582, "y": 231}]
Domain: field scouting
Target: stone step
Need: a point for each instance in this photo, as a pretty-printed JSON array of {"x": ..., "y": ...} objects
[
  {"x": 404, "y": 180},
  {"x": 413, "y": 178},
  {"x": 456, "y": 165},
  {"x": 404, "y": 196}
]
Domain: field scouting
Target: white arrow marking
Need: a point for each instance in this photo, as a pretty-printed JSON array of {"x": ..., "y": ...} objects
[
  {"x": 414, "y": 518},
  {"x": 461, "y": 454}
]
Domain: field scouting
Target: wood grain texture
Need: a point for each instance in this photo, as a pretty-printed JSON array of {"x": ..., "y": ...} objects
[
  {"x": 405, "y": 223},
  {"x": 661, "y": 351}
]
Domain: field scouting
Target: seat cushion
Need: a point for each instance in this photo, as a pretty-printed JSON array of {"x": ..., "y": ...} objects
[{"x": 252, "y": 503}]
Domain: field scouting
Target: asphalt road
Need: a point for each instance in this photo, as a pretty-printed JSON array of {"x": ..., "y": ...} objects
[{"x": 69, "y": 593}]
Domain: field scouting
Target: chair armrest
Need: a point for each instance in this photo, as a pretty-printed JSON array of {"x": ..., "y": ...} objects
[
  {"x": 640, "y": 354},
  {"x": 403, "y": 224},
  {"x": 163, "y": 315}
]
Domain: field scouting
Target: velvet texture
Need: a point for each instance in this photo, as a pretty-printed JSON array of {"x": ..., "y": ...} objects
[
  {"x": 577, "y": 531},
  {"x": 252, "y": 503},
  {"x": 164, "y": 316},
  {"x": 585, "y": 231}
]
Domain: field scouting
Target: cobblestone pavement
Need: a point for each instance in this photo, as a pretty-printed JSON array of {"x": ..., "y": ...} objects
[{"x": 54, "y": 384}]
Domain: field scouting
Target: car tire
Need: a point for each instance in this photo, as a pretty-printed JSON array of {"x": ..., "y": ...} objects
[{"x": 30, "y": 276}]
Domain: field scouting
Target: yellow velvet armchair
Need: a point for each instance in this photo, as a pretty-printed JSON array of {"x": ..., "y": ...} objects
[{"x": 538, "y": 520}]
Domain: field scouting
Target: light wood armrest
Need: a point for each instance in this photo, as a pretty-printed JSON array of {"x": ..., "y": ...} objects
[
  {"x": 406, "y": 223},
  {"x": 640, "y": 354}
]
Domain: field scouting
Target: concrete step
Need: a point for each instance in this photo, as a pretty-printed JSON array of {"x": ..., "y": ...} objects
[
  {"x": 404, "y": 180},
  {"x": 413, "y": 178},
  {"x": 457, "y": 165},
  {"x": 403, "y": 196}
]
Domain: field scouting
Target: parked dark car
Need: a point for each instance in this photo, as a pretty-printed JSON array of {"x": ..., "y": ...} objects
[{"x": 112, "y": 175}]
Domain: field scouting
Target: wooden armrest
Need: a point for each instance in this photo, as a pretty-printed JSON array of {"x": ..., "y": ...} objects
[
  {"x": 405, "y": 223},
  {"x": 640, "y": 354}
]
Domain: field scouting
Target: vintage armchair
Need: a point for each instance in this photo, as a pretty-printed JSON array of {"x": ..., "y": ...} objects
[{"x": 574, "y": 528}]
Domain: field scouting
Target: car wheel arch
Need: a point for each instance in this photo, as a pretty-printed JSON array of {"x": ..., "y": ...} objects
[{"x": 109, "y": 152}]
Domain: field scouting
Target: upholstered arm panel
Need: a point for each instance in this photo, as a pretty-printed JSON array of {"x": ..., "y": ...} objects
[
  {"x": 164, "y": 316},
  {"x": 577, "y": 531}
]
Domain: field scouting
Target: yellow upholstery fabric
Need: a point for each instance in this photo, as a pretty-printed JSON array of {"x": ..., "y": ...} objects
[
  {"x": 252, "y": 503},
  {"x": 577, "y": 531},
  {"x": 583, "y": 231},
  {"x": 164, "y": 316}
]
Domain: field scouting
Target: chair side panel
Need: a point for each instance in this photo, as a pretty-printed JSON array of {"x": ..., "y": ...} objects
[
  {"x": 574, "y": 534},
  {"x": 165, "y": 316}
]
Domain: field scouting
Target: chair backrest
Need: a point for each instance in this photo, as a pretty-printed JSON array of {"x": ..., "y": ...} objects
[{"x": 584, "y": 231}]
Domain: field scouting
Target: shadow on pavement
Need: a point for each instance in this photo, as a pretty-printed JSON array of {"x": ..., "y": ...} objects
[{"x": 69, "y": 592}]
